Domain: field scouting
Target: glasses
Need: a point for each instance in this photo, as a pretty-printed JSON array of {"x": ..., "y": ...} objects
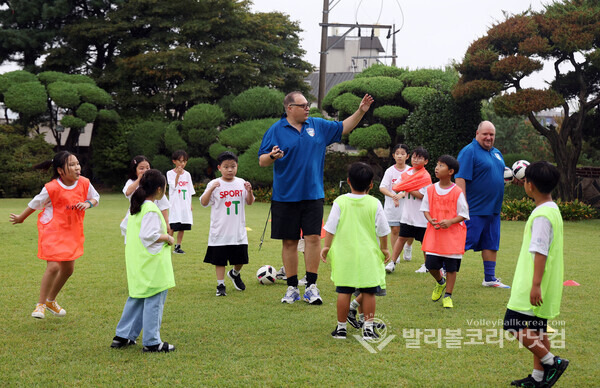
[{"x": 303, "y": 106}]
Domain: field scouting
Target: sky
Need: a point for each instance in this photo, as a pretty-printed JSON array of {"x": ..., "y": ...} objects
[{"x": 433, "y": 34}]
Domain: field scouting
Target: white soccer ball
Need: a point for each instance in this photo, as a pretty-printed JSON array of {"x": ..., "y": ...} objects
[
  {"x": 508, "y": 176},
  {"x": 266, "y": 274},
  {"x": 519, "y": 169}
]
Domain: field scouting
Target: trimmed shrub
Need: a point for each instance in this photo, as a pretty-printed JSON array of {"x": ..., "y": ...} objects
[
  {"x": 64, "y": 94},
  {"x": 28, "y": 98},
  {"x": 197, "y": 168},
  {"x": 93, "y": 94},
  {"x": 346, "y": 104},
  {"x": 380, "y": 70},
  {"x": 249, "y": 169},
  {"x": 108, "y": 115},
  {"x": 315, "y": 112},
  {"x": 173, "y": 140},
  {"x": 415, "y": 95},
  {"x": 111, "y": 157},
  {"x": 334, "y": 92},
  {"x": 216, "y": 149},
  {"x": 200, "y": 139},
  {"x": 520, "y": 209},
  {"x": 72, "y": 122},
  {"x": 442, "y": 80},
  {"x": 383, "y": 89},
  {"x": 79, "y": 79},
  {"x": 244, "y": 134},
  {"x": 87, "y": 112},
  {"x": 146, "y": 138},
  {"x": 162, "y": 163},
  {"x": 369, "y": 138},
  {"x": 15, "y": 77},
  {"x": 204, "y": 116},
  {"x": 258, "y": 103},
  {"x": 49, "y": 77},
  {"x": 390, "y": 115},
  {"x": 225, "y": 104}
]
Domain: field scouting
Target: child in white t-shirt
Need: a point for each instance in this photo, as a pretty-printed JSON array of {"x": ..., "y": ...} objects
[
  {"x": 181, "y": 190},
  {"x": 227, "y": 239}
]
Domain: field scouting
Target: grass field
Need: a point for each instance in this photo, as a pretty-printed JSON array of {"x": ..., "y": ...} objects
[{"x": 250, "y": 339}]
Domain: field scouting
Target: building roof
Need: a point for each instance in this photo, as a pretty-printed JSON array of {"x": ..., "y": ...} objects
[
  {"x": 366, "y": 43},
  {"x": 331, "y": 79}
]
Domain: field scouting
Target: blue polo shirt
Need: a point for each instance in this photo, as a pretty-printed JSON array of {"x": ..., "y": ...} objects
[
  {"x": 483, "y": 172},
  {"x": 298, "y": 176}
]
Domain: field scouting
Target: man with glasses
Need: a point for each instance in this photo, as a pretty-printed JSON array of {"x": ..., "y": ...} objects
[
  {"x": 295, "y": 146},
  {"x": 481, "y": 178}
]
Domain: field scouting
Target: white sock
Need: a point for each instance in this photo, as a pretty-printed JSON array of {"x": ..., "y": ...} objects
[
  {"x": 548, "y": 359},
  {"x": 537, "y": 375},
  {"x": 341, "y": 325},
  {"x": 368, "y": 325},
  {"x": 354, "y": 305},
  {"x": 220, "y": 282},
  {"x": 234, "y": 272}
]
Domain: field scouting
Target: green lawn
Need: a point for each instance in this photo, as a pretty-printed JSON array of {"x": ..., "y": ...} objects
[{"x": 250, "y": 339}]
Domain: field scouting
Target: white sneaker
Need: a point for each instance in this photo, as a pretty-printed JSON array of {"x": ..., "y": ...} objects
[
  {"x": 291, "y": 295},
  {"x": 281, "y": 274},
  {"x": 422, "y": 269},
  {"x": 312, "y": 296},
  {"x": 494, "y": 283},
  {"x": 407, "y": 252},
  {"x": 302, "y": 282},
  {"x": 390, "y": 267}
]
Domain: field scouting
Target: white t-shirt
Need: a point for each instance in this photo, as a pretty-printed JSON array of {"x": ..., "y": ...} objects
[
  {"x": 180, "y": 198},
  {"x": 462, "y": 209},
  {"x": 391, "y": 177},
  {"x": 227, "y": 216},
  {"x": 381, "y": 223},
  {"x": 150, "y": 231},
  {"x": 42, "y": 200},
  {"x": 411, "y": 212},
  {"x": 163, "y": 204},
  {"x": 541, "y": 232}
]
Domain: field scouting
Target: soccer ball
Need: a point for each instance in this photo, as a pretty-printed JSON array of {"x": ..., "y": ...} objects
[
  {"x": 508, "y": 175},
  {"x": 266, "y": 274},
  {"x": 519, "y": 169}
]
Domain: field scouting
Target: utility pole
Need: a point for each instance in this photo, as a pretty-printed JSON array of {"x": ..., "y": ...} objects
[
  {"x": 394, "y": 46},
  {"x": 323, "y": 63}
]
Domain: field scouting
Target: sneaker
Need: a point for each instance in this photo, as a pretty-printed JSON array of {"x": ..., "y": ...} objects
[
  {"x": 447, "y": 302},
  {"x": 370, "y": 335},
  {"x": 281, "y": 274},
  {"x": 494, "y": 283},
  {"x": 438, "y": 291},
  {"x": 339, "y": 333},
  {"x": 311, "y": 295},
  {"x": 40, "y": 311},
  {"x": 55, "y": 309},
  {"x": 422, "y": 269},
  {"x": 163, "y": 347},
  {"x": 221, "y": 290},
  {"x": 120, "y": 342},
  {"x": 390, "y": 267},
  {"x": 352, "y": 319},
  {"x": 237, "y": 280},
  {"x": 178, "y": 250},
  {"x": 379, "y": 325},
  {"x": 302, "y": 282},
  {"x": 526, "y": 382},
  {"x": 407, "y": 252},
  {"x": 291, "y": 295},
  {"x": 553, "y": 372},
  {"x": 443, "y": 272}
]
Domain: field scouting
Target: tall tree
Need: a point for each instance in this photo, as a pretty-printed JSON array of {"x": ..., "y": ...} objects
[{"x": 565, "y": 33}]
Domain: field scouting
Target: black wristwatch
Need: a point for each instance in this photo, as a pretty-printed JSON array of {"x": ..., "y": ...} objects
[{"x": 271, "y": 156}]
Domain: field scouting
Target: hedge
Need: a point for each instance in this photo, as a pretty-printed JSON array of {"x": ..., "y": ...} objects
[
  {"x": 369, "y": 138},
  {"x": 258, "y": 103},
  {"x": 242, "y": 135},
  {"x": 205, "y": 116}
]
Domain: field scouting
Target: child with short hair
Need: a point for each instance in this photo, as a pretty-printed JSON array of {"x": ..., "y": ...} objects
[
  {"x": 149, "y": 267},
  {"x": 63, "y": 202},
  {"x": 138, "y": 165},
  {"x": 227, "y": 239},
  {"x": 412, "y": 187},
  {"x": 356, "y": 244},
  {"x": 538, "y": 282},
  {"x": 393, "y": 201},
  {"x": 445, "y": 208},
  {"x": 181, "y": 190}
]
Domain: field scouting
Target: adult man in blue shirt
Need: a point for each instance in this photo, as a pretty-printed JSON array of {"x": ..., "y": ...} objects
[
  {"x": 481, "y": 178},
  {"x": 296, "y": 146}
]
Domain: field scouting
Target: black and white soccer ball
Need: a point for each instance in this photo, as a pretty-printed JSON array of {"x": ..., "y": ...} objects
[
  {"x": 266, "y": 274},
  {"x": 519, "y": 169},
  {"x": 508, "y": 176}
]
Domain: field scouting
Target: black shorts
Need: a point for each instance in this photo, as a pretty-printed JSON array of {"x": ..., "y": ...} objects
[
  {"x": 289, "y": 217},
  {"x": 437, "y": 262},
  {"x": 412, "y": 231},
  {"x": 350, "y": 290},
  {"x": 176, "y": 227},
  {"x": 515, "y": 321},
  {"x": 380, "y": 291},
  {"x": 219, "y": 255}
]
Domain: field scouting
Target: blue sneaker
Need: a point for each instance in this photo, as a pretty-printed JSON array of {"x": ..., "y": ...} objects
[
  {"x": 311, "y": 295},
  {"x": 291, "y": 295}
]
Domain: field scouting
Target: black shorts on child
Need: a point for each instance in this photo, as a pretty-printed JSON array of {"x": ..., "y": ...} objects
[
  {"x": 437, "y": 262},
  {"x": 408, "y": 231},
  {"x": 221, "y": 254},
  {"x": 379, "y": 291},
  {"x": 176, "y": 227},
  {"x": 350, "y": 290},
  {"x": 515, "y": 321}
]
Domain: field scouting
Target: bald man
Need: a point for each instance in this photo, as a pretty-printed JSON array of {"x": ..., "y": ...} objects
[{"x": 481, "y": 178}]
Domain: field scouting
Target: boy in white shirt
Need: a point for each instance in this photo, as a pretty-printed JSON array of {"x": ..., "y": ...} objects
[{"x": 181, "y": 190}]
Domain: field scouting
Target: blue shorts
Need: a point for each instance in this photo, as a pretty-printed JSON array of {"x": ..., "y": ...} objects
[
  {"x": 393, "y": 223},
  {"x": 483, "y": 232}
]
